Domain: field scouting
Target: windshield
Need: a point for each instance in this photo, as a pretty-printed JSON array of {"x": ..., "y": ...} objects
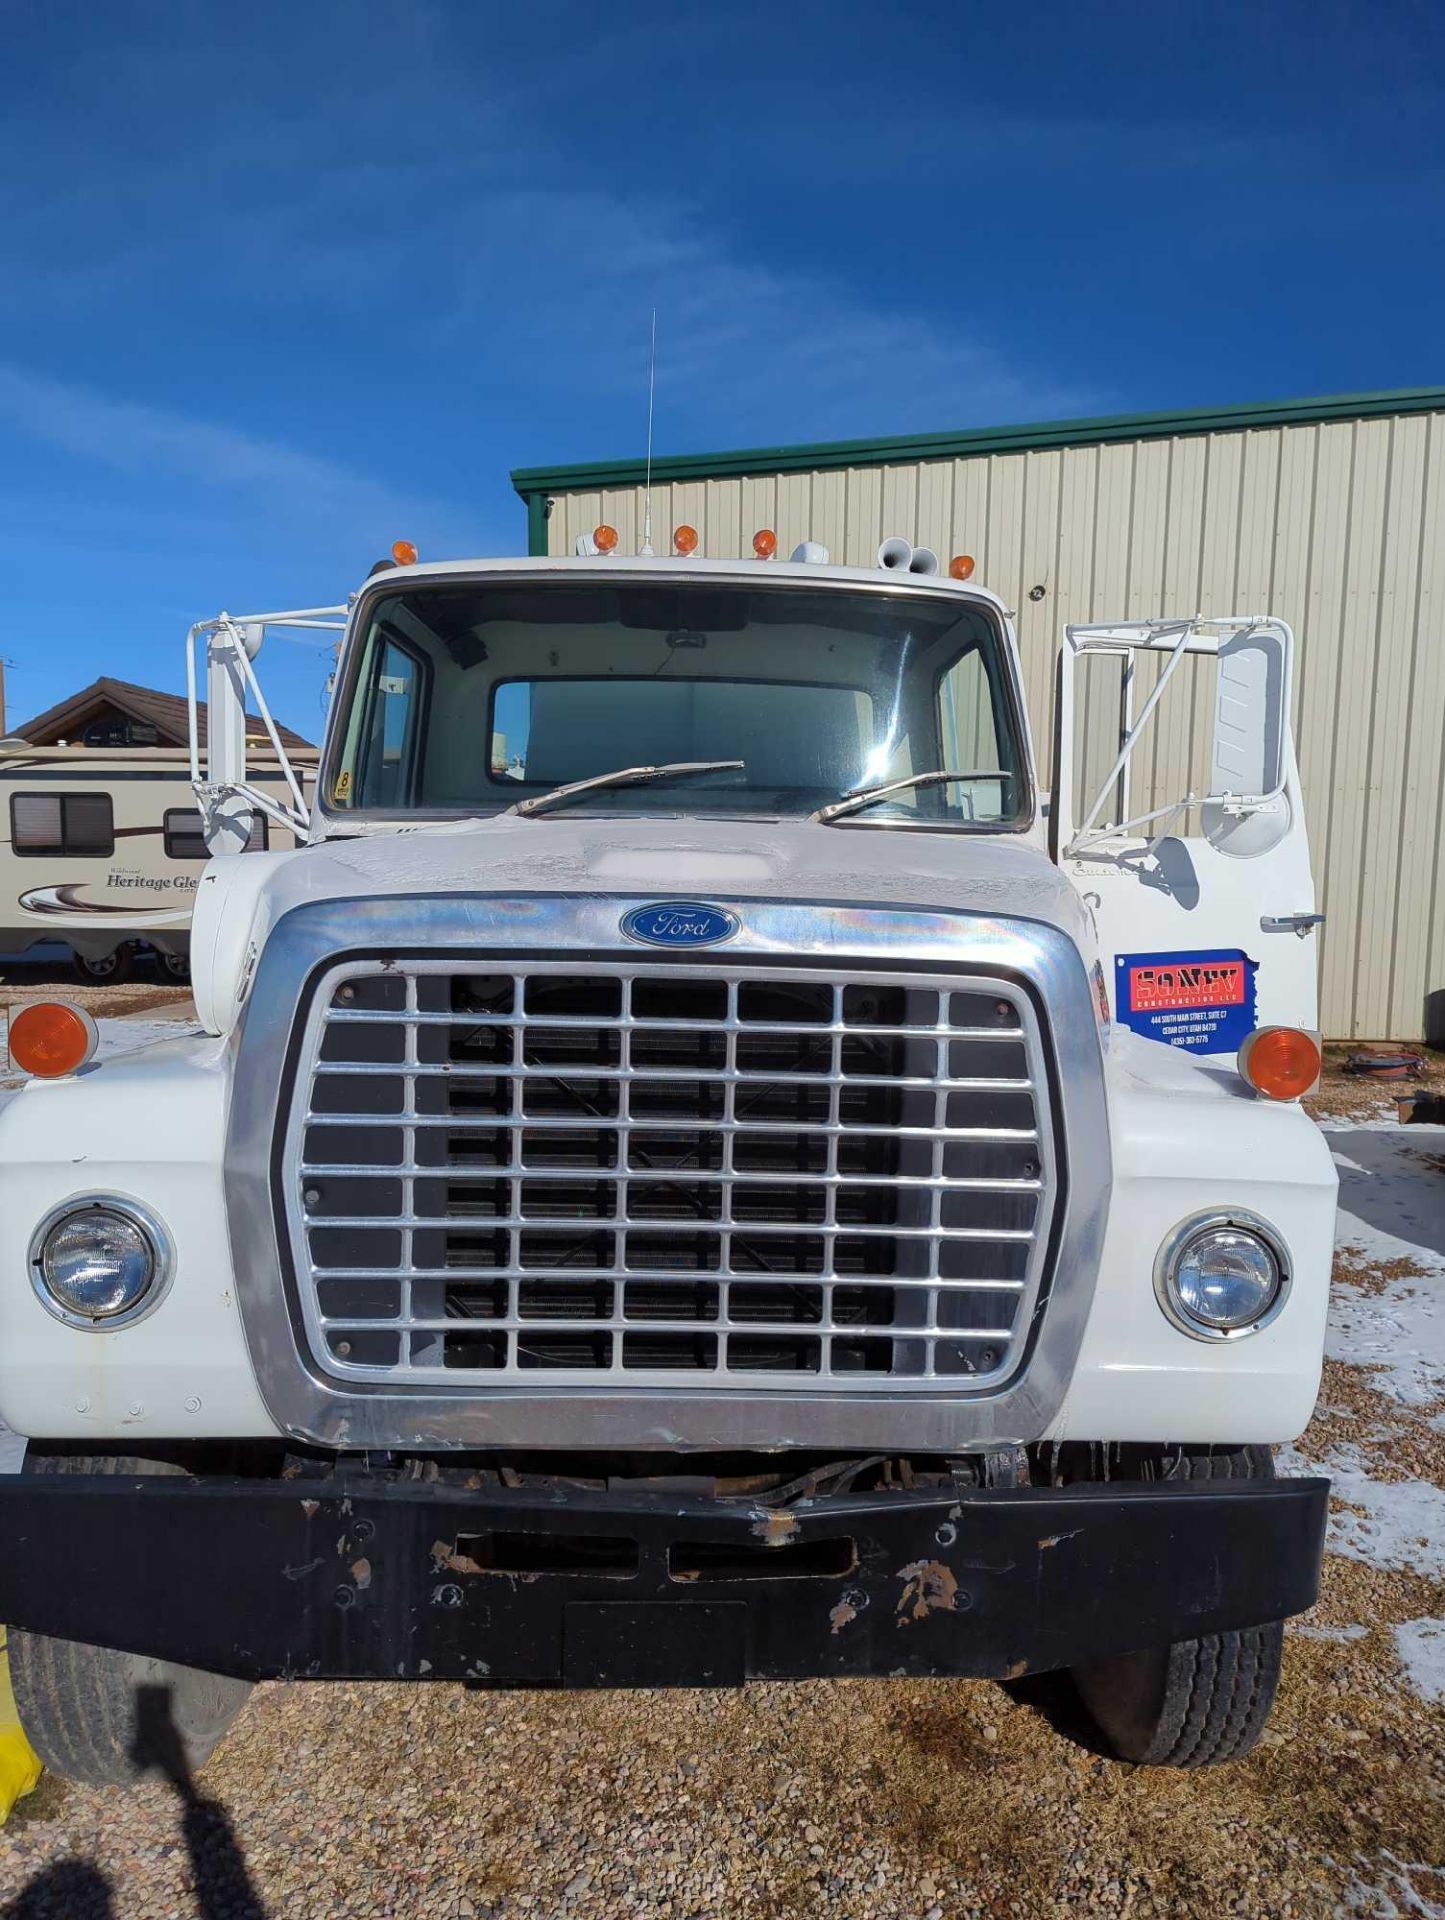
[{"x": 466, "y": 699}]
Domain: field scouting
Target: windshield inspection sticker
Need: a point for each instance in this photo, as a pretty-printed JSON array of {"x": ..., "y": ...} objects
[{"x": 1202, "y": 1001}]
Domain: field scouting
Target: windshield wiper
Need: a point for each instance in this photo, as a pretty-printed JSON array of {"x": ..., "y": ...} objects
[
  {"x": 624, "y": 777},
  {"x": 870, "y": 796}
]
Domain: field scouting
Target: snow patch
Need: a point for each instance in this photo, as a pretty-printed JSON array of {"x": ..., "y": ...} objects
[
  {"x": 1389, "y": 1192},
  {"x": 1392, "y": 1208},
  {"x": 1391, "y": 1892},
  {"x": 1421, "y": 1647},
  {"x": 1399, "y": 1524}
]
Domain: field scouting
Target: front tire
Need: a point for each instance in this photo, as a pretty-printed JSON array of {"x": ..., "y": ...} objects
[
  {"x": 103, "y": 1718},
  {"x": 1194, "y": 1703}
]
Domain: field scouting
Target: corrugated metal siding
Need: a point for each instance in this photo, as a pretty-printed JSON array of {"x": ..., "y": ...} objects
[{"x": 1334, "y": 526}]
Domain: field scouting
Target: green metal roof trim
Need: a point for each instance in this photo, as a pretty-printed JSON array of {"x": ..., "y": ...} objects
[{"x": 531, "y": 482}]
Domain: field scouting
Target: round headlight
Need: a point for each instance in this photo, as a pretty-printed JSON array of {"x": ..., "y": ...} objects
[
  {"x": 1219, "y": 1277},
  {"x": 99, "y": 1262}
]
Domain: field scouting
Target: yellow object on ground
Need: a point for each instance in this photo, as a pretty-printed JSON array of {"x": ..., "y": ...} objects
[{"x": 19, "y": 1763}]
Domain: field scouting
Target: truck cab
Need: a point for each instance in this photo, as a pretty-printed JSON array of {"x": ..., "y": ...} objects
[{"x": 676, "y": 1183}]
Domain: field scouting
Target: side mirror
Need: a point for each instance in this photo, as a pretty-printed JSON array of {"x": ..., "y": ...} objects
[{"x": 1246, "y": 811}]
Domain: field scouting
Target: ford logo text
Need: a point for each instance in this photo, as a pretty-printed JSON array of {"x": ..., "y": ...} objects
[{"x": 679, "y": 923}]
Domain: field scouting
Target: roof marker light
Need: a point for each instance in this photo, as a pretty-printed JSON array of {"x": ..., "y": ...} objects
[
  {"x": 810, "y": 553},
  {"x": 604, "y": 538},
  {"x": 1280, "y": 1062},
  {"x": 52, "y": 1038},
  {"x": 684, "y": 539},
  {"x": 765, "y": 543},
  {"x": 960, "y": 567},
  {"x": 404, "y": 553}
]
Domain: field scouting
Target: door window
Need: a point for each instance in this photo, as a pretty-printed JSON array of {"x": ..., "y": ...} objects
[{"x": 391, "y": 719}]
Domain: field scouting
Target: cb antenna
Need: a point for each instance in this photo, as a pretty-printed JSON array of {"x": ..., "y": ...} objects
[{"x": 646, "y": 547}]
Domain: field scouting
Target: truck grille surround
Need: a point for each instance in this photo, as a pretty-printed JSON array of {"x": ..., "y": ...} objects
[{"x": 651, "y": 1175}]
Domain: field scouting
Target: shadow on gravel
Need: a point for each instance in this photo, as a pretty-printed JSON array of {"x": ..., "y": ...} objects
[
  {"x": 73, "y": 1890},
  {"x": 77, "y": 1890},
  {"x": 223, "y": 1886},
  {"x": 1053, "y": 1698}
]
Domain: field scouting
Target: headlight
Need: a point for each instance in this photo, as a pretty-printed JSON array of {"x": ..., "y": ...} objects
[
  {"x": 99, "y": 1262},
  {"x": 1221, "y": 1276}
]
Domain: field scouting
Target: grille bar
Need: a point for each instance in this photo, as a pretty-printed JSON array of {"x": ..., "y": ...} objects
[
  {"x": 673, "y": 1175},
  {"x": 636, "y": 1175},
  {"x": 722, "y": 1078},
  {"x": 625, "y": 1222},
  {"x": 931, "y": 1282},
  {"x": 368, "y": 1016},
  {"x": 409, "y": 1117}
]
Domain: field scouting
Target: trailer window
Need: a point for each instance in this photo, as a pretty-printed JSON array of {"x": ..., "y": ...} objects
[
  {"x": 76, "y": 826},
  {"x": 186, "y": 840}
]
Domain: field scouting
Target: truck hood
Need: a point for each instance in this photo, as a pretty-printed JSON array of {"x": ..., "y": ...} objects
[
  {"x": 688, "y": 858},
  {"x": 722, "y": 862}
]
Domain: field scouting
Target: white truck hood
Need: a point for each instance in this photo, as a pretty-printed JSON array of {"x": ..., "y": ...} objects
[{"x": 717, "y": 861}]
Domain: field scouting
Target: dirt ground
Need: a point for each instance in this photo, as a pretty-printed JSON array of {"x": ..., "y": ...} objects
[
  {"x": 1342, "y": 1095},
  {"x": 861, "y": 1800}
]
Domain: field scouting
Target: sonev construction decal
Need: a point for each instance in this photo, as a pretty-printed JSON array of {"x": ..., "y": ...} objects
[{"x": 1202, "y": 1001}]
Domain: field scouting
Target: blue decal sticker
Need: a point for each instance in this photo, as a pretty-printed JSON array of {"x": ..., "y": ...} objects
[
  {"x": 1204, "y": 1002},
  {"x": 679, "y": 923}
]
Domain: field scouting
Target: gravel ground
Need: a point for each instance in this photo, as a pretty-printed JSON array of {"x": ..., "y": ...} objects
[
  {"x": 856, "y": 1799},
  {"x": 862, "y": 1800},
  {"x": 21, "y": 982}
]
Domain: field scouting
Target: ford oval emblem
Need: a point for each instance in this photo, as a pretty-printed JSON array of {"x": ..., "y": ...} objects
[{"x": 679, "y": 923}]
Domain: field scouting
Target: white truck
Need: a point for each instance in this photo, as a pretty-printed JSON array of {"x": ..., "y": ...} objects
[{"x": 694, "y": 1171}]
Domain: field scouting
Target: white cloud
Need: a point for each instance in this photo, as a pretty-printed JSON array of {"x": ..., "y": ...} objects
[
  {"x": 556, "y": 284},
  {"x": 791, "y": 345}
]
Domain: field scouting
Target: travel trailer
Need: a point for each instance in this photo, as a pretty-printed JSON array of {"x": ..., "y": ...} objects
[
  {"x": 102, "y": 848},
  {"x": 694, "y": 1168}
]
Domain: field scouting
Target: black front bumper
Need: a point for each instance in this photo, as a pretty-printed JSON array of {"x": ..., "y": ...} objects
[{"x": 359, "y": 1578}]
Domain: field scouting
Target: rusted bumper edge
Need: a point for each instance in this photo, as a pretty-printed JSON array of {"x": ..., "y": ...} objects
[{"x": 359, "y": 1577}]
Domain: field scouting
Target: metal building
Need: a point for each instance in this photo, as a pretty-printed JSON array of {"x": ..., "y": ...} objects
[{"x": 1326, "y": 512}]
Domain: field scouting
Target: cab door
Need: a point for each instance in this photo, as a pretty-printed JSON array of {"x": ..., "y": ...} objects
[{"x": 1177, "y": 814}]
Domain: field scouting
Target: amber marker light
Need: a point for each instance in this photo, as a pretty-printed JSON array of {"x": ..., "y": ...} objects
[
  {"x": 960, "y": 567},
  {"x": 404, "y": 553},
  {"x": 684, "y": 539},
  {"x": 52, "y": 1038},
  {"x": 1280, "y": 1062},
  {"x": 604, "y": 538},
  {"x": 765, "y": 543}
]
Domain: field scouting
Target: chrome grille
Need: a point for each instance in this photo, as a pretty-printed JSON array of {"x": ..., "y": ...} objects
[{"x": 663, "y": 1175}]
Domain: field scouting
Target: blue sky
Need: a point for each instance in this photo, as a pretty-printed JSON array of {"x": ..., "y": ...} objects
[{"x": 279, "y": 284}]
